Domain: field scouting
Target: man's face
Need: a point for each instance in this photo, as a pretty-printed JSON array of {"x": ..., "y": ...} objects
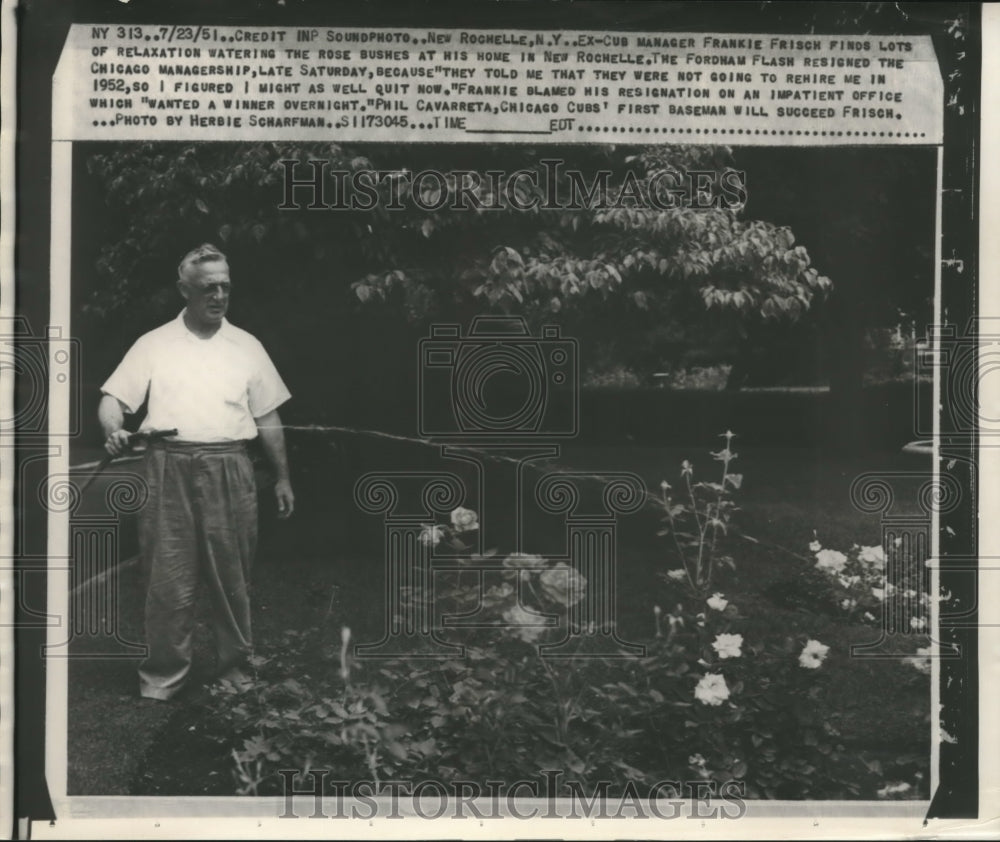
[{"x": 206, "y": 290}]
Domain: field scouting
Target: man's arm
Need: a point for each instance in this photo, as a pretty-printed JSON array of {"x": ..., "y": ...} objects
[
  {"x": 272, "y": 437},
  {"x": 111, "y": 414}
]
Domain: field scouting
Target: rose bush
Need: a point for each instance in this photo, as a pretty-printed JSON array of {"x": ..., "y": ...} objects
[
  {"x": 860, "y": 582},
  {"x": 720, "y": 694}
]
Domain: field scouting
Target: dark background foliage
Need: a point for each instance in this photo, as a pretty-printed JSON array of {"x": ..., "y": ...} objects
[{"x": 641, "y": 289}]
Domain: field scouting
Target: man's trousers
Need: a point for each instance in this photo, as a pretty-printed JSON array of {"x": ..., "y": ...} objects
[{"x": 199, "y": 523}]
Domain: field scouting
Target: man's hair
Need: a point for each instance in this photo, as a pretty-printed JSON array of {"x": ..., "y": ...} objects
[{"x": 205, "y": 253}]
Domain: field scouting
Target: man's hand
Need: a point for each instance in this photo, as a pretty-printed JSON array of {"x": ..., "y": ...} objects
[
  {"x": 111, "y": 413},
  {"x": 117, "y": 442},
  {"x": 272, "y": 437},
  {"x": 286, "y": 499}
]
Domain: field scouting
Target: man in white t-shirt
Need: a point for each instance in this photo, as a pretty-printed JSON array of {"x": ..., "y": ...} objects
[{"x": 215, "y": 385}]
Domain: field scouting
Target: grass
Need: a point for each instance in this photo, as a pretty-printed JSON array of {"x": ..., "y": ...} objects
[{"x": 323, "y": 569}]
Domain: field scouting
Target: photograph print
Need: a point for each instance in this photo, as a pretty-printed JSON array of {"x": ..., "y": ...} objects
[{"x": 513, "y": 475}]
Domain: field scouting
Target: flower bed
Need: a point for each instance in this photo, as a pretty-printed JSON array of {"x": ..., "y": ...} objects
[{"x": 733, "y": 686}]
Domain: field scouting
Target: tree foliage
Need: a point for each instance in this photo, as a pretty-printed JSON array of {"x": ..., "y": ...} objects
[{"x": 497, "y": 243}]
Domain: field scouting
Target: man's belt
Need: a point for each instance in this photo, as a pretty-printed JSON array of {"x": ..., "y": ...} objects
[{"x": 182, "y": 446}]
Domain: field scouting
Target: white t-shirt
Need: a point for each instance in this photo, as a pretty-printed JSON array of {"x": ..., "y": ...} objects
[{"x": 210, "y": 390}]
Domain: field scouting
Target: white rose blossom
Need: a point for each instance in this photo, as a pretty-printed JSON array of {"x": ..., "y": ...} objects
[
  {"x": 430, "y": 536},
  {"x": 815, "y": 546},
  {"x": 523, "y": 623},
  {"x": 677, "y": 575},
  {"x": 717, "y": 602},
  {"x": 712, "y": 690},
  {"x": 464, "y": 520},
  {"x": 728, "y": 645},
  {"x": 563, "y": 584},
  {"x": 872, "y": 555},
  {"x": 501, "y": 591},
  {"x": 831, "y": 560},
  {"x": 813, "y": 654},
  {"x": 881, "y": 593}
]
